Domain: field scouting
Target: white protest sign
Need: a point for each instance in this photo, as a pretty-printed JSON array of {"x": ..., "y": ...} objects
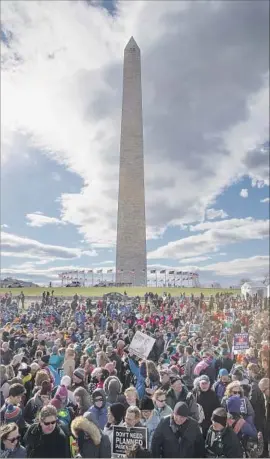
[{"x": 141, "y": 345}]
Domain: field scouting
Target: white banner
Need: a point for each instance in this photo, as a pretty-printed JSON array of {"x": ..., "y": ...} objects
[{"x": 141, "y": 345}]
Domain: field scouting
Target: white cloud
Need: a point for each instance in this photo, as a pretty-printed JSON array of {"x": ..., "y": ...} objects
[
  {"x": 244, "y": 193},
  {"x": 265, "y": 200},
  {"x": 11, "y": 243},
  {"x": 38, "y": 219},
  {"x": 73, "y": 82},
  {"x": 241, "y": 266},
  {"x": 216, "y": 235},
  {"x": 4, "y": 226},
  {"x": 212, "y": 214},
  {"x": 193, "y": 260}
]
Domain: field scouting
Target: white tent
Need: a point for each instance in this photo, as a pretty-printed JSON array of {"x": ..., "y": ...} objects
[{"x": 251, "y": 289}]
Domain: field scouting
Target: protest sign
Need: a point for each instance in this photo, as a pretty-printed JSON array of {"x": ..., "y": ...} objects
[
  {"x": 240, "y": 341},
  {"x": 128, "y": 437},
  {"x": 141, "y": 345},
  {"x": 194, "y": 328}
]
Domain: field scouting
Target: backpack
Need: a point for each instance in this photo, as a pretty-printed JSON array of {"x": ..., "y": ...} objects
[
  {"x": 200, "y": 408},
  {"x": 64, "y": 416}
]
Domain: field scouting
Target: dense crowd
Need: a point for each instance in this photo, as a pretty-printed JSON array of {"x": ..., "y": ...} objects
[{"x": 69, "y": 377}]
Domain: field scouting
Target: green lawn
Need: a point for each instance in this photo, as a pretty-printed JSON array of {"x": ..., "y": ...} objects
[{"x": 132, "y": 291}]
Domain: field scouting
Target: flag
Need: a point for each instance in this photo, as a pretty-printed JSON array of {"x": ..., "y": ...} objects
[
  {"x": 109, "y": 270},
  {"x": 153, "y": 271},
  {"x": 179, "y": 272},
  {"x": 171, "y": 272},
  {"x": 163, "y": 271}
]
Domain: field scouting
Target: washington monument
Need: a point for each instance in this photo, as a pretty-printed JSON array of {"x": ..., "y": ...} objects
[{"x": 131, "y": 230}]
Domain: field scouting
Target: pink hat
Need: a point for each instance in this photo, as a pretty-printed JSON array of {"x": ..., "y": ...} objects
[
  {"x": 56, "y": 403},
  {"x": 62, "y": 392}
]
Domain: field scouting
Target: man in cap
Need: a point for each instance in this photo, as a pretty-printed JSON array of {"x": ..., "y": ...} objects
[
  {"x": 179, "y": 393},
  {"x": 178, "y": 435}
]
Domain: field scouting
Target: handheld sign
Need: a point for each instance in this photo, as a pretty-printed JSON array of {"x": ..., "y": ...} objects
[
  {"x": 241, "y": 341},
  {"x": 128, "y": 437},
  {"x": 194, "y": 328},
  {"x": 141, "y": 345}
]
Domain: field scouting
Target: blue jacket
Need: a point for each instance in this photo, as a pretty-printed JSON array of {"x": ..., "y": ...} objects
[
  {"x": 140, "y": 384},
  {"x": 98, "y": 415},
  {"x": 220, "y": 388},
  {"x": 56, "y": 361}
]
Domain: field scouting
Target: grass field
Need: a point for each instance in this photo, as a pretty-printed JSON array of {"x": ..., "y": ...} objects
[{"x": 132, "y": 291}]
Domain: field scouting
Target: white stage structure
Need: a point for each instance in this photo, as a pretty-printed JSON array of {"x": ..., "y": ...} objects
[{"x": 155, "y": 277}]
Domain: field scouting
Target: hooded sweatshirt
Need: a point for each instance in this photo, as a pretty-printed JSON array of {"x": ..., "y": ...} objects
[{"x": 112, "y": 388}]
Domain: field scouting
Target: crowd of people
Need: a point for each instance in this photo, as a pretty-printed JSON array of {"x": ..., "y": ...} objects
[{"x": 69, "y": 376}]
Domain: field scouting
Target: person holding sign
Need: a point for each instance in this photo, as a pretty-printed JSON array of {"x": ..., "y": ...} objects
[
  {"x": 178, "y": 436},
  {"x": 149, "y": 419}
]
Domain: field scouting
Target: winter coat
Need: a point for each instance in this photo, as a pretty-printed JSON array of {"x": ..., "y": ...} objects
[
  {"x": 256, "y": 398},
  {"x": 223, "y": 444},
  {"x": 68, "y": 367},
  {"x": 98, "y": 415},
  {"x": 249, "y": 410},
  {"x": 219, "y": 387},
  {"x": 166, "y": 440},
  {"x": 108, "y": 430},
  {"x": 161, "y": 413},
  {"x": 184, "y": 396},
  {"x": 39, "y": 445},
  {"x": 56, "y": 361},
  {"x": 151, "y": 425},
  {"x": 209, "y": 402},
  {"x": 5, "y": 389},
  {"x": 224, "y": 362},
  {"x": 95, "y": 443},
  {"x": 189, "y": 376},
  {"x": 32, "y": 408},
  {"x": 19, "y": 452},
  {"x": 140, "y": 379}
]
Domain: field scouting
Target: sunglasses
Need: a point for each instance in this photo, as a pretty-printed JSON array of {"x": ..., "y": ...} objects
[
  {"x": 236, "y": 392},
  {"x": 12, "y": 440},
  {"x": 162, "y": 401},
  {"x": 51, "y": 423},
  {"x": 98, "y": 400}
]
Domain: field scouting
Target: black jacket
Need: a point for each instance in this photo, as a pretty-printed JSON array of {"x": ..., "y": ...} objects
[
  {"x": 257, "y": 401},
  {"x": 169, "y": 441},
  {"x": 209, "y": 401},
  {"x": 184, "y": 396},
  {"x": 39, "y": 445},
  {"x": 225, "y": 444}
]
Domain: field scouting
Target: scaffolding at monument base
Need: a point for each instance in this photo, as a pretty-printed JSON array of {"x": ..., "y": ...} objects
[{"x": 107, "y": 277}]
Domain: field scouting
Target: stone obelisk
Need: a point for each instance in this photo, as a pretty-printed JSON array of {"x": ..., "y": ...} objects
[{"x": 131, "y": 230}]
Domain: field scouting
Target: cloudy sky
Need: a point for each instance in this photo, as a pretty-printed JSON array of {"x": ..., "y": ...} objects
[{"x": 205, "y": 79}]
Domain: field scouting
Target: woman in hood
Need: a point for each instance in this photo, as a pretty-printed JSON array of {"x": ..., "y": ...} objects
[
  {"x": 98, "y": 412},
  {"x": 91, "y": 441},
  {"x": 116, "y": 415},
  {"x": 112, "y": 388},
  {"x": 83, "y": 400}
]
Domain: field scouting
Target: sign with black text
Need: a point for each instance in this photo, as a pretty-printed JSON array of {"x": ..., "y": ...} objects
[
  {"x": 128, "y": 437},
  {"x": 240, "y": 341},
  {"x": 141, "y": 344}
]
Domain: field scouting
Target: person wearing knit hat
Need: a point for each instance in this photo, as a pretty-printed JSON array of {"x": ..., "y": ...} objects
[
  {"x": 178, "y": 435},
  {"x": 220, "y": 385},
  {"x": 12, "y": 414},
  {"x": 222, "y": 441},
  {"x": 78, "y": 378},
  {"x": 150, "y": 419},
  {"x": 62, "y": 394},
  {"x": 116, "y": 414},
  {"x": 179, "y": 393}
]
